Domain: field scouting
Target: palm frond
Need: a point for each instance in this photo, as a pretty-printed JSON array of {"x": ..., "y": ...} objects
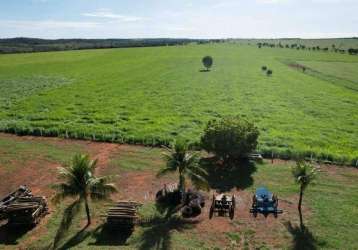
[
  {"x": 198, "y": 180},
  {"x": 165, "y": 170},
  {"x": 99, "y": 188},
  {"x": 93, "y": 165},
  {"x": 64, "y": 190},
  {"x": 179, "y": 158},
  {"x": 65, "y": 173},
  {"x": 79, "y": 180},
  {"x": 304, "y": 173}
]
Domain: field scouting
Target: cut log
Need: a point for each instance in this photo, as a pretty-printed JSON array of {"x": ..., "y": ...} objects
[{"x": 123, "y": 214}]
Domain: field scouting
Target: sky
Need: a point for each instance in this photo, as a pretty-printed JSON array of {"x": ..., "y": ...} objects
[{"x": 178, "y": 18}]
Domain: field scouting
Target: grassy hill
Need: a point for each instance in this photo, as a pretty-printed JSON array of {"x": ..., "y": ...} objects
[{"x": 154, "y": 95}]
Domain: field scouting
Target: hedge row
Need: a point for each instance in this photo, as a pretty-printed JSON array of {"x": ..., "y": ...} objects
[{"x": 155, "y": 141}]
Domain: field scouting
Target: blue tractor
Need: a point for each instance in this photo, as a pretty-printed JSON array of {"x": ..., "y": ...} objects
[{"x": 264, "y": 202}]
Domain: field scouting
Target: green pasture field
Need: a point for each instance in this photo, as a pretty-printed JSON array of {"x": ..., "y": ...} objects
[
  {"x": 340, "y": 70},
  {"x": 154, "y": 95}
]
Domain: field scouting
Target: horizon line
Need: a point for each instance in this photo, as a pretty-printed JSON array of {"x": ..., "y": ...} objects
[{"x": 181, "y": 38}]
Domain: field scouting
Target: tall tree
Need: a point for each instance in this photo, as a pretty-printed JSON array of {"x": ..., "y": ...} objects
[
  {"x": 304, "y": 173},
  {"x": 79, "y": 181},
  {"x": 186, "y": 163}
]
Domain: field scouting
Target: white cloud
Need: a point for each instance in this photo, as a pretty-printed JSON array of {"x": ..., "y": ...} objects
[{"x": 108, "y": 14}]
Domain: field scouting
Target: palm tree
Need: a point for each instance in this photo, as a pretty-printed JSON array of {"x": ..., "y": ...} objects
[
  {"x": 79, "y": 181},
  {"x": 304, "y": 173},
  {"x": 186, "y": 163}
]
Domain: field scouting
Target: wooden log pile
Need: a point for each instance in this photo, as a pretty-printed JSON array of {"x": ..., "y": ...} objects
[
  {"x": 123, "y": 215},
  {"x": 22, "y": 191},
  {"x": 22, "y": 208}
]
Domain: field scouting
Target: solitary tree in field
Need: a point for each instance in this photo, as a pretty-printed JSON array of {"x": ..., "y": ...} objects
[
  {"x": 79, "y": 181},
  {"x": 269, "y": 72},
  {"x": 264, "y": 68},
  {"x": 186, "y": 163},
  {"x": 304, "y": 174},
  {"x": 230, "y": 138},
  {"x": 207, "y": 62}
]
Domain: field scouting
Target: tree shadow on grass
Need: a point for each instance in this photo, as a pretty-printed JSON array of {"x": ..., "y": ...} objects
[
  {"x": 157, "y": 231},
  {"x": 106, "y": 235},
  {"x": 204, "y": 70},
  {"x": 224, "y": 178},
  {"x": 109, "y": 236},
  {"x": 70, "y": 212},
  {"x": 76, "y": 239},
  {"x": 167, "y": 209},
  {"x": 9, "y": 235},
  {"x": 303, "y": 239}
]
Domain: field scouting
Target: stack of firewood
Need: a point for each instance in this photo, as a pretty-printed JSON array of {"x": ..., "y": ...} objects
[
  {"x": 22, "y": 191},
  {"x": 22, "y": 208},
  {"x": 123, "y": 215},
  {"x": 26, "y": 210}
]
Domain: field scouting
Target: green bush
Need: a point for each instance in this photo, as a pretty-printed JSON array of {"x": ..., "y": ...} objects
[
  {"x": 207, "y": 62},
  {"x": 230, "y": 138}
]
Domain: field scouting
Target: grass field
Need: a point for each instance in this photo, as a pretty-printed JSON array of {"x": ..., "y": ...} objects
[
  {"x": 154, "y": 95},
  {"x": 330, "y": 206}
]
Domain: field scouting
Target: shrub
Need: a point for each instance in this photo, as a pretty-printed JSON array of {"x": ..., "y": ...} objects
[
  {"x": 352, "y": 51},
  {"x": 264, "y": 68},
  {"x": 269, "y": 72},
  {"x": 207, "y": 62},
  {"x": 230, "y": 138}
]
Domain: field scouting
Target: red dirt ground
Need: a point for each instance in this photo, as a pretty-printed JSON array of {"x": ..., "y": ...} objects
[{"x": 141, "y": 186}]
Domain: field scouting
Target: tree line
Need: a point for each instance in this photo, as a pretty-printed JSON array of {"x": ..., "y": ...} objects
[
  {"x": 23, "y": 45},
  {"x": 296, "y": 46}
]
